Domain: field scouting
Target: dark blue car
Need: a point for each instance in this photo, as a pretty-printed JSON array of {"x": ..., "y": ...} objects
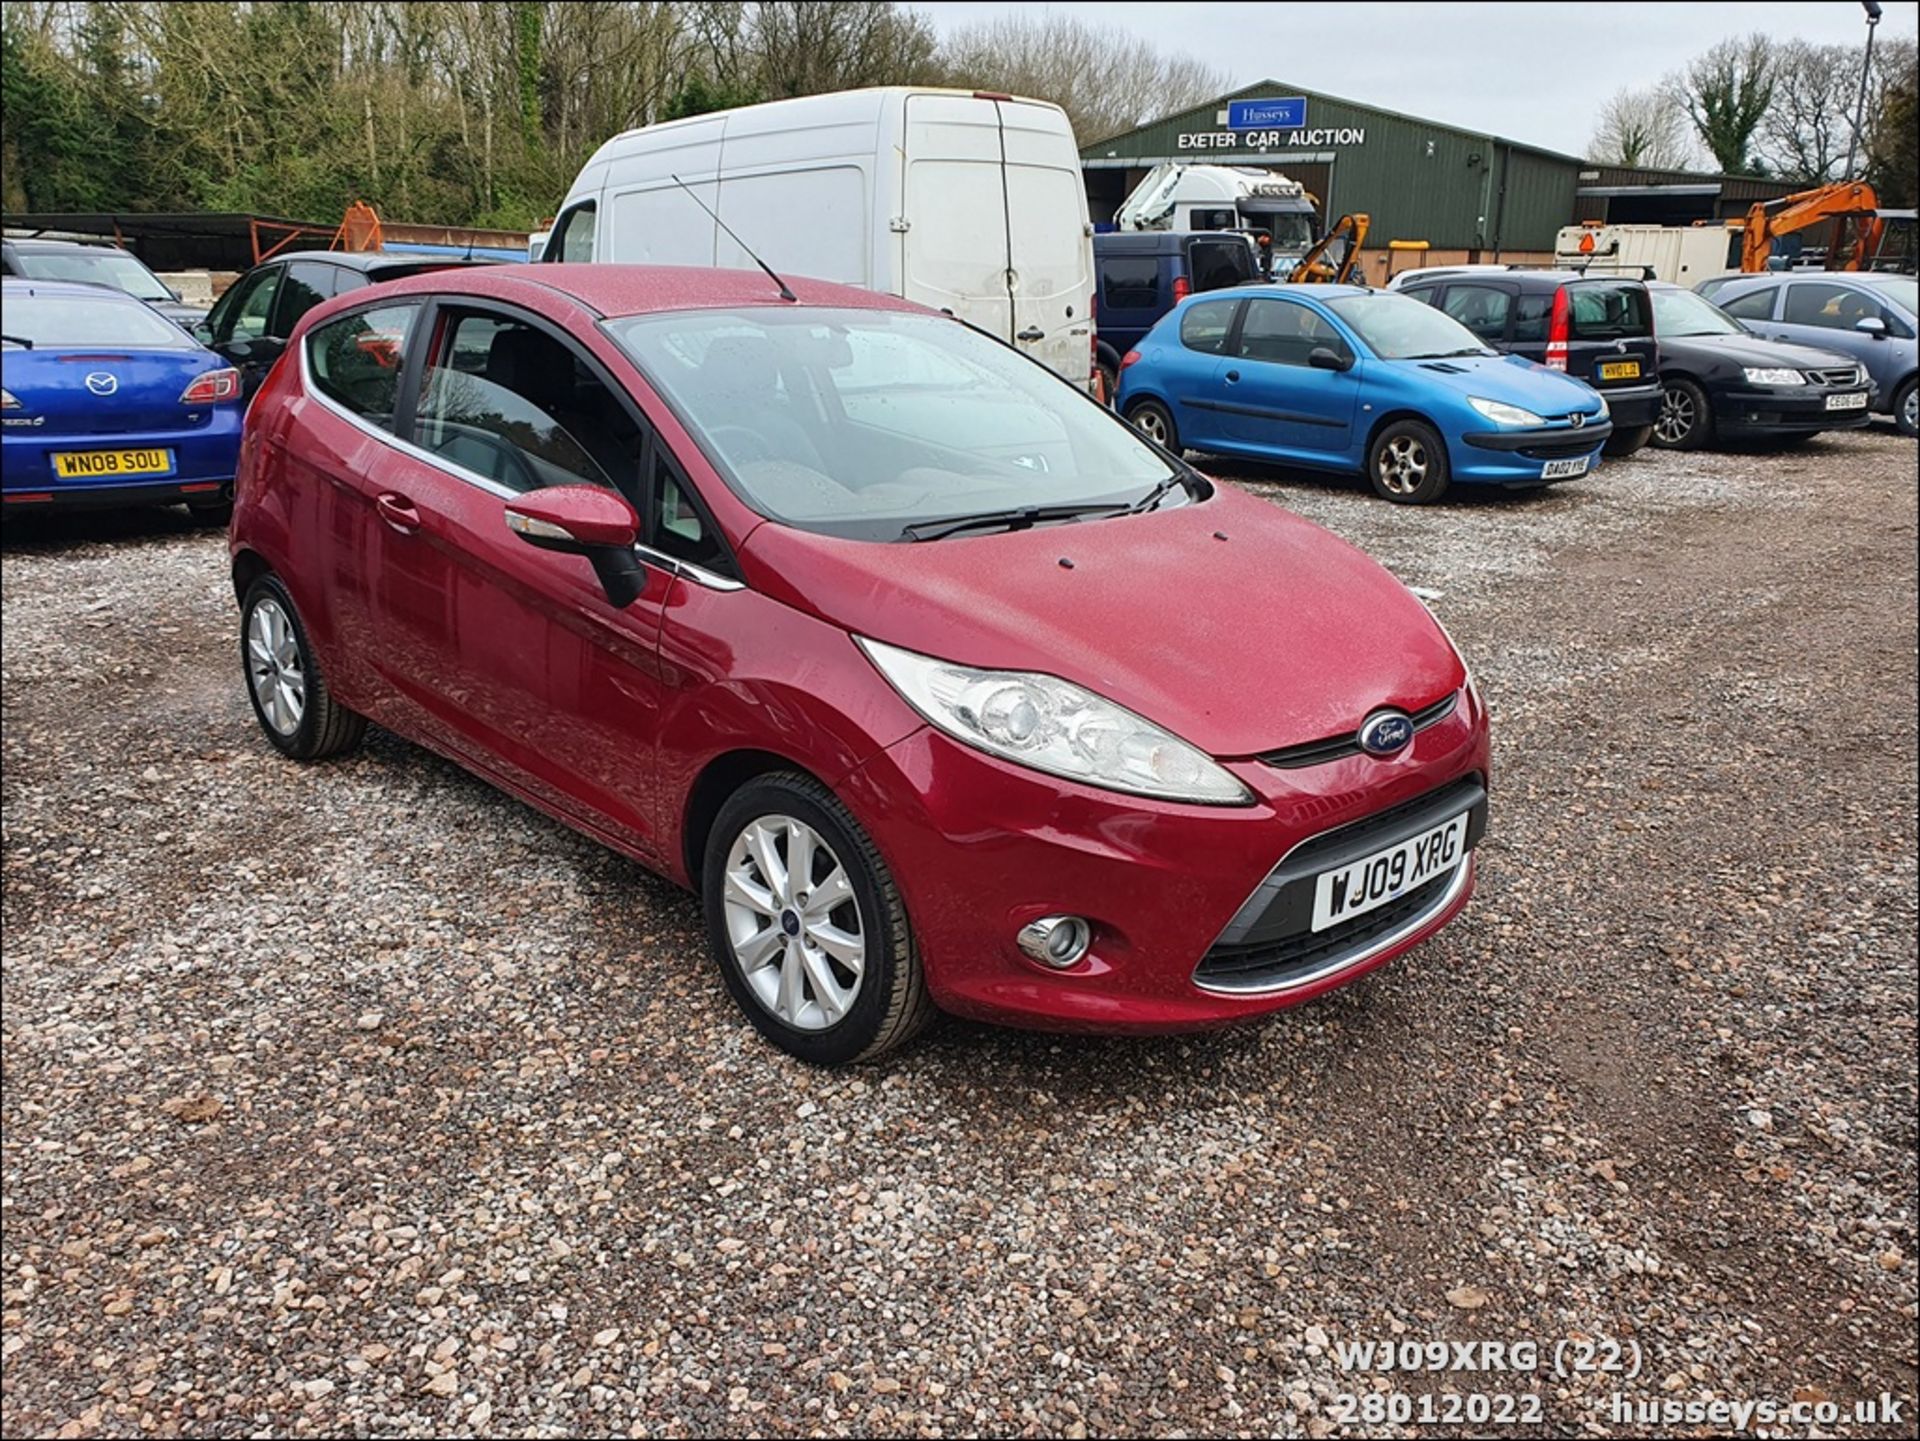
[
  {"x": 108, "y": 403},
  {"x": 1340, "y": 377}
]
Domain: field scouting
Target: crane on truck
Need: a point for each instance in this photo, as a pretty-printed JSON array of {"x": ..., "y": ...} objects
[
  {"x": 1851, "y": 205},
  {"x": 1174, "y": 196}
]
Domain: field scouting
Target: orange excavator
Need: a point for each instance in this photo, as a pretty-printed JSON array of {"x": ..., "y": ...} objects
[
  {"x": 1325, "y": 262},
  {"x": 1850, "y": 206}
]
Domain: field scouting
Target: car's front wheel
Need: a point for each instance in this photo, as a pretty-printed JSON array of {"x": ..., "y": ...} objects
[
  {"x": 1906, "y": 407},
  {"x": 290, "y": 695},
  {"x": 1407, "y": 463},
  {"x": 808, "y": 926},
  {"x": 1155, "y": 422},
  {"x": 1686, "y": 418}
]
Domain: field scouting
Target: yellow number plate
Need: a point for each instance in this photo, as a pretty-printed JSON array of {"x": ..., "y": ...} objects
[
  {"x": 1619, "y": 370},
  {"x": 92, "y": 464}
]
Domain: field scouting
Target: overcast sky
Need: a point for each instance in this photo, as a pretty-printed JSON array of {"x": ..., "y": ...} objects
[{"x": 1532, "y": 72}]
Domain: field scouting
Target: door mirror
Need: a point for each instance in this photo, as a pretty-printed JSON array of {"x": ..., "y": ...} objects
[
  {"x": 203, "y": 332},
  {"x": 587, "y": 521},
  {"x": 1325, "y": 357},
  {"x": 1871, "y": 325}
]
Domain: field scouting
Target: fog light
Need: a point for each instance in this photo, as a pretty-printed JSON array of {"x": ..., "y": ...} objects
[{"x": 1057, "y": 941}]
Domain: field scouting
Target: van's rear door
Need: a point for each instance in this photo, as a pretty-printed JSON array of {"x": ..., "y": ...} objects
[{"x": 996, "y": 224}]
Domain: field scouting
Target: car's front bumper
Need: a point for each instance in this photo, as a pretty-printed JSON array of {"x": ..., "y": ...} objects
[
  {"x": 981, "y": 848},
  {"x": 1521, "y": 457},
  {"x": 1796, "y": 411}
]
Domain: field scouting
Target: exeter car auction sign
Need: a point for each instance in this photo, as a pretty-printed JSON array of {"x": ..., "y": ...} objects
[{"x": 1273, "y": 124}]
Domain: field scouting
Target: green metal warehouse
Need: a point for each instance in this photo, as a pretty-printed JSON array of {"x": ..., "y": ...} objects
[{"x": 1469, "y": 196}]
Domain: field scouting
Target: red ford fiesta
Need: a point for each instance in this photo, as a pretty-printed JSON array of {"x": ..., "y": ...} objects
[{"x": 943, "y": 687}]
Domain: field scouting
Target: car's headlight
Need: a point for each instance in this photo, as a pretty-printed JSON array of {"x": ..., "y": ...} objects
[
  {"x": 1773, "y": 375},
  {"x": 1606, "y": 411},
  {"x": 1053, "y": 725},
  {"x": 1500, "y": 413}
]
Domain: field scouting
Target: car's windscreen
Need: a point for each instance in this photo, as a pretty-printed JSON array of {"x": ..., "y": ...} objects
[
  {"x": 1608, "y": 310},
  {"x": 95, "y": 267},
  {"x": 864, "y": 422},
  {"x": 83, "y": 322},
  {"x": 1681, "y": 312},
  {"x": 1903, "y": 293},
  {"x": 1398, "y": 327}
]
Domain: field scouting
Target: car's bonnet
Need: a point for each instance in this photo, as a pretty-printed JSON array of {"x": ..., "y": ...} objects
[
  {"x": 1278, "y": 634},
  {"x": 1744, "y": 349},
  {"x": 1508, "y": 378}
]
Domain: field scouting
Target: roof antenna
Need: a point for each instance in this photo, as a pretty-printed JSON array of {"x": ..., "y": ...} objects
[{"x": 785, "y": 294}]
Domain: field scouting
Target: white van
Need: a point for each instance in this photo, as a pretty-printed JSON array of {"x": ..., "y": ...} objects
[{"x": 969, "y": 203}]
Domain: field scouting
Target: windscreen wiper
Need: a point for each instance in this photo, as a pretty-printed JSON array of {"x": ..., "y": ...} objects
[
  {"x": 1152, "y": 498},
  {"x": 1021, "y": 519}
]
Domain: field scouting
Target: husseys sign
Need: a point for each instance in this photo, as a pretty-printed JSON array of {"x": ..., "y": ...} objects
[{"x": 1279, "y": 123}]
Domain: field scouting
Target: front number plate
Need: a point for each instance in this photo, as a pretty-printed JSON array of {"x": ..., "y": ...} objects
[
  {"x": 1857, "y": 400},
  {"x": 1619, "y": 370},
  {"x": 1371, "y": 882},
  {"x": 1565, "y": 469},
  {"x": 91, "y": 464}
]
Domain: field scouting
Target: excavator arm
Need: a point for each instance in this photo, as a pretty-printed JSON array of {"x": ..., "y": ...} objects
[
  {"x": 1852, "y": 204},
  {"x": 1322, "y": 264}
]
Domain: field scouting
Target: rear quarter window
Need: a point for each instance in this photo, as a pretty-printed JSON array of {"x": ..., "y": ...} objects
[
  {"x": 1599, "y": 310},
  {"x": 1204, "y": 327}
]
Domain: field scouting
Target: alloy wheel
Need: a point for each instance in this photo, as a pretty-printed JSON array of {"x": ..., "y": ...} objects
[
  {"x": 793, "y": 923},
  {"x": 1910, "y": 410},
  {"x": 1676, "y": 417},
  {"x": 1402, "y": 464},
  {"x": 1150, "y": 424},
  {"x": 274, "y": 668}
]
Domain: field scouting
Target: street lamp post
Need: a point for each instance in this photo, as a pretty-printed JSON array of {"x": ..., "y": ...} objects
[{"x": 1872, "y": 7}]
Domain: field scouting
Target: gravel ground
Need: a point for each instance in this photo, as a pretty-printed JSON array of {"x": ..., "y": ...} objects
[{"x": 362, "y": 1099}]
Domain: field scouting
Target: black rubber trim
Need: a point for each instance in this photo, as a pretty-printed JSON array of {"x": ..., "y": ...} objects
[
  {"x": 1586, "y": 438},
  {"x": 82, "y": 497},
  {"x": 1313, "y": 753}
]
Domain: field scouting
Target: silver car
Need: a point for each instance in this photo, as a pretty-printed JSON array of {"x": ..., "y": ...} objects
[{"x": 1871, "y": 316}]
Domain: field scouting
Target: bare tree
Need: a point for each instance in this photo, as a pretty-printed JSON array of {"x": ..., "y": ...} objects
[
  {"x": 1105, "y": 79},
  {"x": 1643, "y": 128},
  {"x": 1726, "y": 92}
]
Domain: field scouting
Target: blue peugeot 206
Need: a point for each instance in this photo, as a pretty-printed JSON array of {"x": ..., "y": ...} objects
[
  {"x": 106, "y": 402},
  {"x": 1339, "y": 377}
]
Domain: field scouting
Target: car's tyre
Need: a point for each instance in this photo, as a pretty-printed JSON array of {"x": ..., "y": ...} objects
[
  {"x": 1407, "y": 463},
  {"x": 807, "y": 924},
  {"x": 289, "y": 694},
  {"x": 1686, "y": 417},
  {"x": 210, "y": 513},
  {"x": 1623, "y": 443},
  {"x": 1155, "y": 422},
  {"x": 1906, "y": 407}
]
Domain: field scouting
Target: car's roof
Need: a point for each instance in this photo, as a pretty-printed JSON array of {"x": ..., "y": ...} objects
[
  {"x": 621, "y": 290},
  {"x": 19, "y": 242},
  {"x": 1305, "y": 292},
  {"x": 374, "y": 259},
  {"x": 79, "y": 289}
]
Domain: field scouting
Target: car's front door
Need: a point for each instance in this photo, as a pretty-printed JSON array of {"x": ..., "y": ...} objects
[
  {"x": 510, "y": 655},
  {"x": 240, "y": 322},
  {"x": 1826, "y": 315},
  {"x": 1275, "y": 396}
]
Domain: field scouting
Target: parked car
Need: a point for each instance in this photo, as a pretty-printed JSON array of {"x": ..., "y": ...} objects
[
  {"x": 971, "y": 203},
  {"x": 832, "y": 610},
  {"x": 107, "y": 403},
  {"x": 1597, "y": 328},
  {"x": 1401, "y": 279},
  {"x": 1870, "y": 317},
  {"x": 1721, "y": 381},
  {"x": 250, "y": 323},
  {"x": 93, "y": 263},
  {"x": 1340, "y": 377},
  {"x": 1143, "y": 274}
]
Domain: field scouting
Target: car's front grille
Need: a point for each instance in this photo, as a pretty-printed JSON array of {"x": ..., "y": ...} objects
[
  {"x": 1274, "y": 963},
  {"x": 1313, "y": 753},
  {"x": 1560, "y": 449},
  {"x": 1850, "y": 375}
]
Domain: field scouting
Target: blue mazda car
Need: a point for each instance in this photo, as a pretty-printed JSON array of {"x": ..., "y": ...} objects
[
  {"x": 1339, "y": 377},
  {"x": 106, "y": 402}
]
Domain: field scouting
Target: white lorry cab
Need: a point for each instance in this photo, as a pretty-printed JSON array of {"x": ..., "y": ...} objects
[
  {"x": 1174, "y": 196},
  {"x": 966, "y": 202}
]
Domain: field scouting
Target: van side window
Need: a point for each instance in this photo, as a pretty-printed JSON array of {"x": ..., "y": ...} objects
[
  {"x": 1531, "y": 313},
  {"x": 1481, "y": 308},
  {"x": 1132, "y": 282},
  {"x": 356, "y": 359},
  {"x": 572, "y": 238},
  {"x": 1204, "y": 327},
  {"x": 507, "y": 401},
  {"x": 1217, "y": 264}
]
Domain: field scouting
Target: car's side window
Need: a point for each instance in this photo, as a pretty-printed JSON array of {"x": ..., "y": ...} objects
[
  {"x": 505, "y": 400},
  {"x": 1285, "y": 333},
  {"x": 572, "y": 238},
  {"x": 247, "y": 319},
  {"x": 1132, "y": 282},
  {"x": 1831, "y": 307},
  {"x": 678, "y": 527},
  {"x": 307, "y": 283},
  {"x": 1483, "y": 309},
  {"x": 1754, "y": 305},
  {"x": 356, "y": 360},
  {"x": 1532, "y": 313},
  {"x": 1204, "y": 327}
]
